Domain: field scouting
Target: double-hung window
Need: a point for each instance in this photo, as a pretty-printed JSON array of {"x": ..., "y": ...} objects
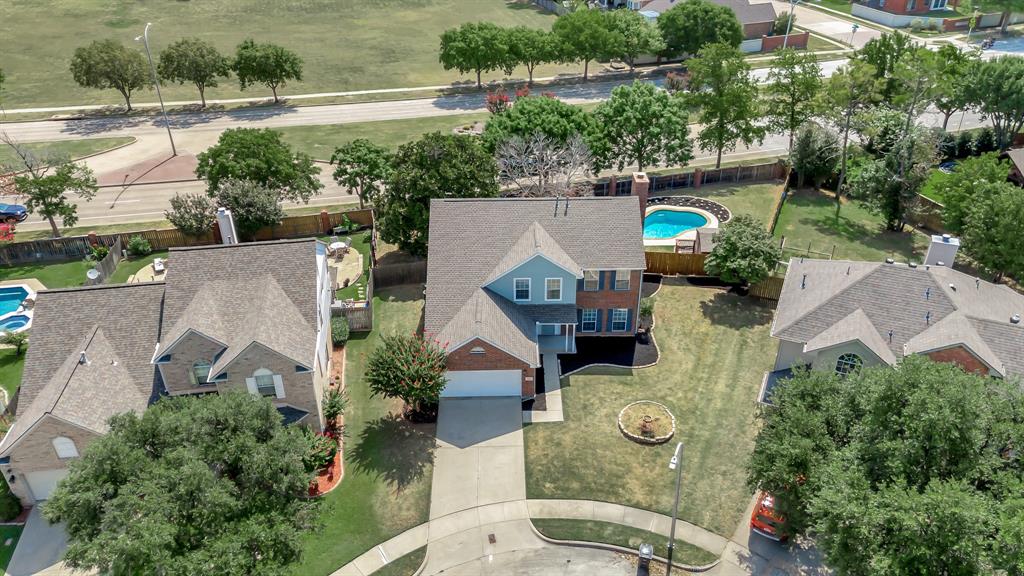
[
  {"x": 522, "y": 288},
  {"x": 200, "y": 372},
  {"x": 622, "y": 279},
  {"x": 620, "y": 316},
  {"x": 588, "y": 320},
  {"x": 265, "y": 385},
  {"x": 552, "y": 289},
  {"x": 591, "y": 280}
]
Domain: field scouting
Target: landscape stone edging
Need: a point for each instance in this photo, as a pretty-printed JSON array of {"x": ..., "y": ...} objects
[
  {"x": 613, "y": 548},
  {"x": 642, "y": 439}
]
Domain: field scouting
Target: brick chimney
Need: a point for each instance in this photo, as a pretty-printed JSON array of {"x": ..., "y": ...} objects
[{"x": 639, "y": 188}]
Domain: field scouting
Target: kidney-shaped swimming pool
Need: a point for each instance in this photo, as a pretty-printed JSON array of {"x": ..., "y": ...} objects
[{"x": 662, "y": 223}]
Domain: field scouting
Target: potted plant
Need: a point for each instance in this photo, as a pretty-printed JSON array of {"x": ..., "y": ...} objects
[{"x": 646, "y": 320}]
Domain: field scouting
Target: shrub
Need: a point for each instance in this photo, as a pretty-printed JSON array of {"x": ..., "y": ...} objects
[
  {"x": 984, "y": 141},
  {"x": 676, "y": 82},
  {"x": 782, "y": 24},
  {"x": 139, "y": 246},
  {"x": 16, "y": 339},
  {"x": 744, "y": 252},
  {"x": 408, "y": 367},
  {"x": 947, "y": 146},
  {"x": 98, "y": 252},
  {"x": 964, "y": 144},
  {"x": 320, "y": 453},
  {"x": 339, "y": 330},
  {"x": 334, "y": 404},
  {"x": 10, "y": 507}
]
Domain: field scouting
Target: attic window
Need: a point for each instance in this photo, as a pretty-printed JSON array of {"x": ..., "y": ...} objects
[
  {"x": 848, "y": 363},
  {"x": 477, "y": 350},
  {"x": 301, "y": 369},
  {"x": 164, "y": 359},
  {"x": 65, "y": 447}
]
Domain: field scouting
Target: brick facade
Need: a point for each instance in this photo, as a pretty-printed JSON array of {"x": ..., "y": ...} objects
[
  {"x": 757, "y": 30},
  {"x": 35, "y": 452},
  {"x": 609, "y": 298},
  {"x": 772, "y": 43},
  {"x": 492, "y": 358},
  {"x": 961, "y": 357}
]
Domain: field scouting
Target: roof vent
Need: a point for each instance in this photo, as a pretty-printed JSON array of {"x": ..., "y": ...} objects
[
  {"x": 928, "y": 318},
  {"x": 927, "y": 293},
  {"x": 912, "y": 264},
  {"x": 945, "y": 238},
  {"x": 889, "y": 261},
  {"x": 890, "y": 336},
  {"x": 940, "y": 263},
  {"x": 82, "y": 359},
  {"x": 952, "y": 287},
  {"x": 803, "y": 282},
  {"x": 977, "y": 283},
  {"x": 1015, "y": 319}
]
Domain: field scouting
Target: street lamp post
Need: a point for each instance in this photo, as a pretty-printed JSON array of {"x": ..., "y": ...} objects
[
  {"x": 676, "y": 463},
  {"x": 853, "y": 30},
  {"x": 789, "y": 26},
  {"x": 156, "y": 82}
]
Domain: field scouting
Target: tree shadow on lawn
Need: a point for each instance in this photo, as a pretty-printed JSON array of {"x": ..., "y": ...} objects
[
  {"x": 732, "y": 311},
  {"x": 395, "y": 450},
  {"x": 847, "y": 231}
]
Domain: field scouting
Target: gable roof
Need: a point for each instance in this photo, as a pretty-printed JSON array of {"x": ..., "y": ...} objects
[
  {"x": 855, "y": 326},
  {"x": 115, "y": 326},
  {"x": 243, "y": 293},
  {"x": 925, "y": 308},
  {"x": 474, "y": 241}
]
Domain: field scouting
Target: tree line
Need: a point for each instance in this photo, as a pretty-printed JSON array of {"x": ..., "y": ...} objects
[
  {"x": 587, "y": 34},
  {"x": 109, "y": 64}
]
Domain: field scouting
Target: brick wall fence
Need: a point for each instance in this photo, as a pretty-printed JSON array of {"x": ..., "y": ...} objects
[
  {"x": 772, "y": 43},
  {"x": 621, "y": 185}
]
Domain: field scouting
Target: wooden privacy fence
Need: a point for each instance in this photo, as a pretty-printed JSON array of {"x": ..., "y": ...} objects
[
  {"x": 77, "y": 247},
  {"x": 769, "y": 289},
  {"x": 359, "y": 314},
  {"x": 620, "y": 185},
  {"x": 109, "y": 263},
  {"x": 397, "y": 274},
  {"x": 671, "y": 264}
]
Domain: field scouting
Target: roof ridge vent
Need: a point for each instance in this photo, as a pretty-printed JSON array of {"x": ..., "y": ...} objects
[{"x": 1015, "y": 319}]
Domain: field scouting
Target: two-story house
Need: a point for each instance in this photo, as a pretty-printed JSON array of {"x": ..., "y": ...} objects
[
  {"x": 841, "y": 316},
  {"x": 247, "y": 316},
  {"x": 512, "y": 281}
]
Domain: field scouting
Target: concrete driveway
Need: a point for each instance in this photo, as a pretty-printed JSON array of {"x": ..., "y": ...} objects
[
  {"x": 479, "y": 456},
  {"x": 40, "y": 549},
  {"x": 829, "y": 25}
]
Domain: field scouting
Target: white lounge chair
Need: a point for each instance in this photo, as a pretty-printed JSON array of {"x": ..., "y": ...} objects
[{"x": 159, "y": 266}]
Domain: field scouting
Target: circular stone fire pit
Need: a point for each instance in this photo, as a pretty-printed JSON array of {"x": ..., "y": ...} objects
[{"x": 647, "y": 422}]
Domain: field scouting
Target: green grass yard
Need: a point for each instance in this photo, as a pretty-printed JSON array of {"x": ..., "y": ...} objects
[
  {"x": 619, "y": 535},
  {"x": 8, "y": 532},
  {"x": 808, "y": 219},
  {"x": 125, "y": 268},
  {"x": 345, "y": 44},
  {"x": 404, "y": 566},
  {"x": 929, "y": 190},
  {"x": 388, "y": 462},
  {"x": 715, "y": 349},
  {"x": 60, "y": 275},
  {"x": 751, "y": 199},
  {"x": 72, "y": 148},
  {"x": 11, "y": 366}
]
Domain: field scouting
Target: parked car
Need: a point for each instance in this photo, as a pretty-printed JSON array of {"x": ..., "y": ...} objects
[
  {"x": 766, "y": 520},
  {"x": 948, "y": 167},
  {"x": 11, "y": 213}
]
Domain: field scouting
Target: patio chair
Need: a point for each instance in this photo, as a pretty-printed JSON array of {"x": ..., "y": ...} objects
[{"x": 159, "y": 266}]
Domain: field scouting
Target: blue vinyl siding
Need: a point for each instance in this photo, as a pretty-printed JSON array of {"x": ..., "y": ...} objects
[{"x": 537, "y": 269}]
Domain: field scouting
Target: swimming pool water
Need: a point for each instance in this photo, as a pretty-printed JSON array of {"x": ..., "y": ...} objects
[
  {"x": 661, "y": 224},
  {"x": 14, "y": 322},
  {"x": 10, "y": 299},
  {"x": 1009, "y": 45}
]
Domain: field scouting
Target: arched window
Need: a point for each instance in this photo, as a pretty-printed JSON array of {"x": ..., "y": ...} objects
[
  {"x": 848, "y": 363},
  {"x": 200, "y": 372},
  {"x": 65, "y": 447}
]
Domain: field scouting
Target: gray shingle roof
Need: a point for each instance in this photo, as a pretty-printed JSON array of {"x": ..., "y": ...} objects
[
  {"x": 243, "y": 293},
  {"x": 473, "y": 241},
  {"x": 925, "y": 308},
  {"x": 746, "y": 12},
  {"x": 116, "y": 327}
]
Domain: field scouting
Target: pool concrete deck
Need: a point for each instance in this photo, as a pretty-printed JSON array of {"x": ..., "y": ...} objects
[
  {"x": 32, "y": 283},
  {"x": 691, "y": 234}
]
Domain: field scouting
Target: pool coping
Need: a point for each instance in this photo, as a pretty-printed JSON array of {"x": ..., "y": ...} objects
[
  {"x": 21, "y": 311},
  {"x": 691, "y": 234}
]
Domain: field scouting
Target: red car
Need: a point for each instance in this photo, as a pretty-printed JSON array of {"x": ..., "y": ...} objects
[{"x": 766, "y": 520}]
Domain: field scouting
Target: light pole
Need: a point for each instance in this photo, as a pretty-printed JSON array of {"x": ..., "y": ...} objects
[
  {"x": 156, "y": 82},
  {"x": 789, "y": 26},
  {"x": 676, "y": 463},
  {"x": 853, "y": 31}
]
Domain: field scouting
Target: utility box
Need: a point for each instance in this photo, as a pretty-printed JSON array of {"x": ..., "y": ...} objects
[
  {"x": 226, "y": 223},
  {"x": 942, "y": 250},
  {"x": 645, "y": 555}
]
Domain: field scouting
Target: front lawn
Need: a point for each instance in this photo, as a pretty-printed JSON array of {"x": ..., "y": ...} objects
[
  {"x": 59, "y": 275},
  {"x": 715, "y": 349},
  {"x": 72, "y": 148},
  {"x": 12, "y": 532},
  {"x": 11, "y": 366},
  {"x": 388, "y": 462},
  {"x": 808, "y": 219},
  {"x": 619, "y": 535}
]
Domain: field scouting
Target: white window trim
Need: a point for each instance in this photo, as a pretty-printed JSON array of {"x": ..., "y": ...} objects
[
  {"x": 854, "y": 366},
  {"x": 625, "y": 319},
  {"x": 615, "y": 283},
  {"x": 250, "y": 383},
  {"x": 529, "y": 290},
  {"x": 583, "y": 320},
  {"x": 597, "y": 281},
  {"x": 65, "y": 447},
  {"x": 546, "y": 299}
]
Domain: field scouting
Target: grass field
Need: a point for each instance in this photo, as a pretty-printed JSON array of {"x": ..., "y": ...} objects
[
  {"x": 619, "y": 535},
  {"x": 62, "y": 275},
  {"x": 404, "y": 566},
  {"x": 320, "y": 141},
  {"x": 72, "y": 148},
  {"x": 388, "y": 462},
  {"x": 346, "y": 44},
  {"x": 808, "y": 219},
  {"x": 11, "y": 366},
  {"x": 12, "y": 532},
  {"x": 715, "y": 349}
]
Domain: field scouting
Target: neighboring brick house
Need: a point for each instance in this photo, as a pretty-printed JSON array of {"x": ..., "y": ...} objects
[
  {"x": 757, "y": 19},
  {"x": 251, "y": 316},
  {"x": 1016, "y": 158},
  {"x": 840, "y": 315},
  {"x": 911, "y": 7},
  {"x": 511, "y": 281}
]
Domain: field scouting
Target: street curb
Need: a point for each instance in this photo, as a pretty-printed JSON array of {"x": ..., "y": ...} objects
[
  {"x": 118, "y": 147},
  {"x": 620, "y": 549},
  {"x": 130, "y": 184}
]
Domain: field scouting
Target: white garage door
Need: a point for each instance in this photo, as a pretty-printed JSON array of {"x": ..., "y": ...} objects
[
  {"x": 43, "y": 482},
  {"x": 483, "y": 383}
]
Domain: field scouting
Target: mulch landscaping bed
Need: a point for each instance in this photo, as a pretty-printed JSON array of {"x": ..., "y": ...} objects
[
  {"x": 651, "y": 284},
  {"x": 328, "y": 478},
  {"x": 624, "y": 351},
  {"x": 720, "y": 211}
]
